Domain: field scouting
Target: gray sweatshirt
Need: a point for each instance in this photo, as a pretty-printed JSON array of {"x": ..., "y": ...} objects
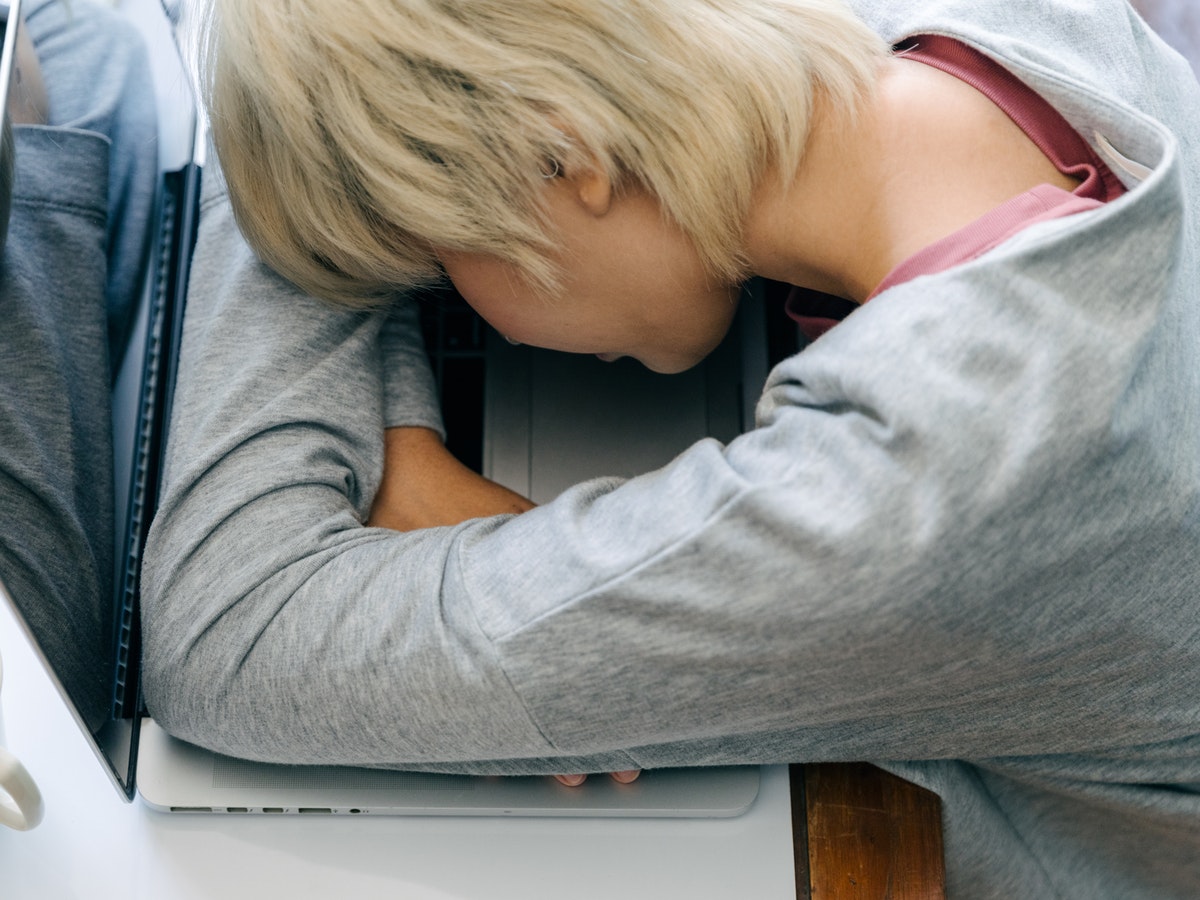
[{"x": 961, "y": 542}]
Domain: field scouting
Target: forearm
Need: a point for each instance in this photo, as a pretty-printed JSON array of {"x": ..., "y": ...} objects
[
  {"x": 424, "y": 486},
  {"x": 263, "y": 591}
]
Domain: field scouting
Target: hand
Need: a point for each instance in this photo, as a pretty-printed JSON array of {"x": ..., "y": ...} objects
[
  {"x": 627, "y": 777},
  {"x": 424, "y": 486}
]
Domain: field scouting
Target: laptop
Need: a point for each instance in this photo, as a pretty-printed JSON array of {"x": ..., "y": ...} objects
[{"x": 526, "y": 430}]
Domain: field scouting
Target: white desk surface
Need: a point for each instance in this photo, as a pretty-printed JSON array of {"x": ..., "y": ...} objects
[{"x": 92, "y": 845}]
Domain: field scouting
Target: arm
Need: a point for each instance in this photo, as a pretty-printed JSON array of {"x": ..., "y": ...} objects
[
  {"x": 262, "y": 591},
  {"x": 880, "y": 570},
  {"x": 56, "y": 490},
  {"x": 95, "y": 70},
  {"x": 425, "y": 486}
]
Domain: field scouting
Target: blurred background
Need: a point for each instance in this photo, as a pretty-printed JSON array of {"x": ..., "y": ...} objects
[{"x": 1178, "y": 22}]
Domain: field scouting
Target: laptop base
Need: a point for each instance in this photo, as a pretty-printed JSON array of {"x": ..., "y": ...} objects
[{"x": 174, "y": 776}]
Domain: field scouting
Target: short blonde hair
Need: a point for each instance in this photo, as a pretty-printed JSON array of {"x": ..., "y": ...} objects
[{"x": 357, "y": 137}]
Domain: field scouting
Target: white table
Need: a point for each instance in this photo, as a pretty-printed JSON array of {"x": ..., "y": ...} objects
[{"x": 92, "y": 845}]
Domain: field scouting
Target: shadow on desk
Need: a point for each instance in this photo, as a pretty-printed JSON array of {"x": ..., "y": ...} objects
[{"x": 863, "y": 834}]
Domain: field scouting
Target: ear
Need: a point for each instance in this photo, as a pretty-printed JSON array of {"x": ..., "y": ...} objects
[
  {"x": 588, "y": 184},
  {"x": 593, "y": 189}
]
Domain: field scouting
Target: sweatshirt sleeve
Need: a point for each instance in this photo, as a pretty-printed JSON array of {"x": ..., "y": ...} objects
[
  {"x": 961, "y": 529},
  {"x": 275, "y": 625},
  {"x": 56, "y": 483},
  {"x": 409, "y": 394}
]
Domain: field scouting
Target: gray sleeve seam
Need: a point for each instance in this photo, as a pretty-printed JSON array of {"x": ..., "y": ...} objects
[
  {"x": 499, "y": 657},
  {"x": 609, "y": 583}
]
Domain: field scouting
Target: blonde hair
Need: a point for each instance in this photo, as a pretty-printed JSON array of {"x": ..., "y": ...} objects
[{"x": 356, "y": 138}]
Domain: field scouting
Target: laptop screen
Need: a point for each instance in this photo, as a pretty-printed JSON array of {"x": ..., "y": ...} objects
[{"x": 78, "y": 441}]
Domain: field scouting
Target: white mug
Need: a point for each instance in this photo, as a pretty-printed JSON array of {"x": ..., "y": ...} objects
[{"x": 20, "y": 799}]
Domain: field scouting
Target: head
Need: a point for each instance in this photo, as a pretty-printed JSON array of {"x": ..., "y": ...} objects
[{"x": 360, "y": 141}]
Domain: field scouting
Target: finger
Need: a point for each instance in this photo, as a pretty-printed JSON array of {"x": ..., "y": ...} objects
[
  {"x": 571, "y": 780},
  {"x": 627, "y": 777}
]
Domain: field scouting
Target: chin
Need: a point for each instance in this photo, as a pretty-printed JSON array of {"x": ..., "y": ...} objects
[{"x": 672, "y": 367}]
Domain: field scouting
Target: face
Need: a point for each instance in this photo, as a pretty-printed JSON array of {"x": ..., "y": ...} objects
[{"x": 632, "y": 284}]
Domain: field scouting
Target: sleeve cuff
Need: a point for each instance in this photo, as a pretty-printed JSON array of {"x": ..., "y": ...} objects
[
  {"x": 409, "y": 394},
  {"x": 63, "y": 166}
]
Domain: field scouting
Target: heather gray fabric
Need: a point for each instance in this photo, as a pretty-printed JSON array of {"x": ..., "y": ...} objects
[
  {"x": 97, "y": 75},
  {"x": 962, "y": 541},
  {"x": 56, "y": 494},
  {"x": 58, "y": 300}
]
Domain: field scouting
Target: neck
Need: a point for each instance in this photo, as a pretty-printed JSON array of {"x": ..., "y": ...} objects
[{"x": 925, "y": 155}]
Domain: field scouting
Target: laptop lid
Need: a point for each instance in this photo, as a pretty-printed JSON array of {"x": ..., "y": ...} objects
[{"x": 77, "y": 494}]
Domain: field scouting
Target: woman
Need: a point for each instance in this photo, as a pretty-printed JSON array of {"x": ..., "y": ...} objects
[{"x": 961, "y": 540}]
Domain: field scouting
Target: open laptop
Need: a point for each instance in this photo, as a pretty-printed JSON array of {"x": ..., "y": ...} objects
[{"x": 528, "y": 432}]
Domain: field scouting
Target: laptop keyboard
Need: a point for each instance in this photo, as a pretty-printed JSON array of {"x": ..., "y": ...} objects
[{"x": 455, "y": 338}]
